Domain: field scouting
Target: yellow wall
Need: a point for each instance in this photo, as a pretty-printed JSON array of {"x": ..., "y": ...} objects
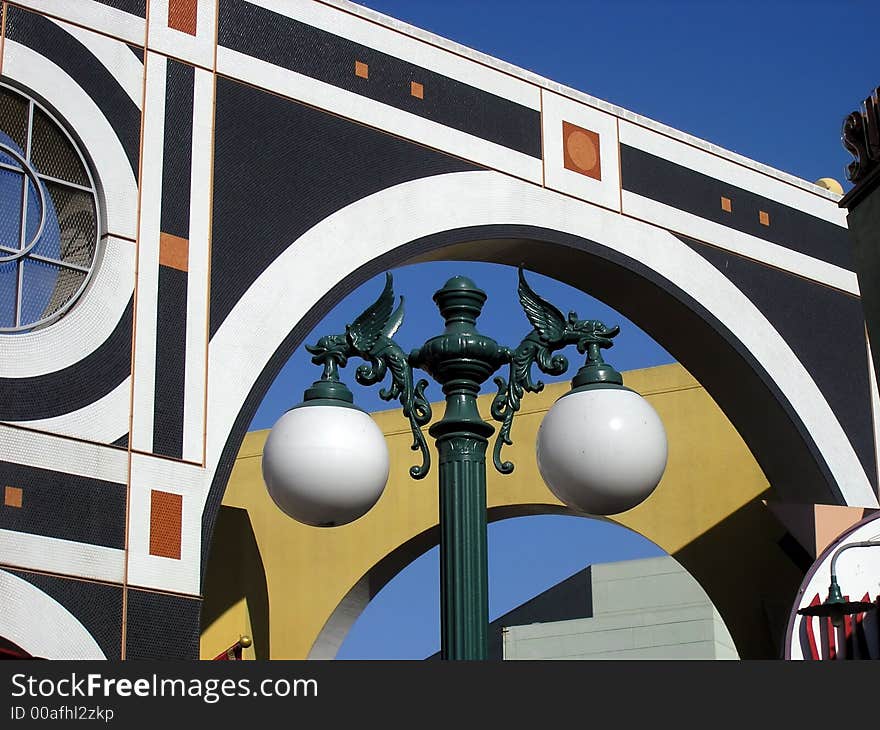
[{"x": 279, "y": 581}]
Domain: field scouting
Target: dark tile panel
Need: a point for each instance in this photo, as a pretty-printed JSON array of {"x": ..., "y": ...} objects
[
  {"x": 170, "y": 362},
  {"x": 122, "y": 442},
  {"x": 135, "y": 7},
  {"x": 177, "y": 153},
  {"x": 138, "y": 51},
  {"x": 281, "y": 167},
  {"x": 680, "y": 187},
  {"x": 47, "y": 38},
  {"x": 89, "y": 380},
  {"x": 330, "y": 58},
  {"x": 161, "y": 626},
  {"x": 98, "y": 606},
  {"x": 65, "y": 506},
  {"x": 824, "y": 328}
]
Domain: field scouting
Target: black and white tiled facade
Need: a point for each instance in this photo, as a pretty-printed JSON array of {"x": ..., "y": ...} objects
[{"x": 255, "y": 162}]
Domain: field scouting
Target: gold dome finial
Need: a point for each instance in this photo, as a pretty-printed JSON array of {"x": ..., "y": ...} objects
[{"x": 829, "y": 183}]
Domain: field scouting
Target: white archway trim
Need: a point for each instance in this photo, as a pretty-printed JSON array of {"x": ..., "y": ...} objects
[
  {"x": 90, "y": 321},
  {"x": 40, "y": 625},
  {"x": 379, "y": 223}
]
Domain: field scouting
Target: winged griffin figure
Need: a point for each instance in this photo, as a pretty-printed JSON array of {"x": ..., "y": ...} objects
[
  {"x": 552, "y": 331},
  {"x": 369, "y": 337}
]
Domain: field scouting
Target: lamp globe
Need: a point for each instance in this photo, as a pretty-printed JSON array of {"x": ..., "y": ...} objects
[
  {"x": 325, "y": 462},
  {"x": 601, "y": 448}
]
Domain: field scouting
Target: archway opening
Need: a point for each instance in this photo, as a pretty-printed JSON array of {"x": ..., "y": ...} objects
[
  {"x": 288, "y": 388},
  {"x": 529, "y": 557}
]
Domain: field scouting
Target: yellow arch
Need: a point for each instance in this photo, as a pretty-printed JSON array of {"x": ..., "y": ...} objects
[{"x": 281, "y": 581}]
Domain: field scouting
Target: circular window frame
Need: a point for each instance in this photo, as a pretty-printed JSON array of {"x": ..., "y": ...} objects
[{"x": 24, "y": 253}]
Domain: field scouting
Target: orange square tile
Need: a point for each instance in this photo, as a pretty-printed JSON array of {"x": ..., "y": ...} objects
[
  {"x": 183, "y": 15},
  {"x": 417, "y": 90},
  {"x": 725, "y": 204},
  {"x": 173, "y": 251},
  {"x": 166, "y": 519},
  {"x": 361, "y": 70},
  {"x": 764, "y": 217},
  {"x": 12, "y": 496},
  {"x": 581, "y": 150}
]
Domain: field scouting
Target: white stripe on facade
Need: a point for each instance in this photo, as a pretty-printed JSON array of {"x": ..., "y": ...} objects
[
  {"x": 730, "y": 172},
  {"x": 65, "y": 557},
  {"x": 740, "y": 243},
  {"x": 148, "y": 257},
  {"x": 101, "y": 17}
]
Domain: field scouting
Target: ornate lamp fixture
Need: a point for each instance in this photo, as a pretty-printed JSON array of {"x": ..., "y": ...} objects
[{"x": 601, "y": 448}]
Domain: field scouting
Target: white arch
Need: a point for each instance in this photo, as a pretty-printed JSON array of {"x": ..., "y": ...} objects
[
  {"x": 379, "y": 223},
  {"x": 40, "y": 625}
]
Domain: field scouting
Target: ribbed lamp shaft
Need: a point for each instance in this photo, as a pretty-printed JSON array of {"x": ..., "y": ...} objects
[{"x": 464, "y": 611}]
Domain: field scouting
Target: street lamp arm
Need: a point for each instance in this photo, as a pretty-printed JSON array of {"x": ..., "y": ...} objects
[
  {"x": 551, "y": 332},
  {"x": 863, "y": 543},
  {"x": 416, "y": 407}
]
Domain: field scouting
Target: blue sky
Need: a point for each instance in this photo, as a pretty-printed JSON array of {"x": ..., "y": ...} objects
[{"x": 769, "y": 80}]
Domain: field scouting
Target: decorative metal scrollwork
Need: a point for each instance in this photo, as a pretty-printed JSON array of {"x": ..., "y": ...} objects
[
  {"x": 861, "y": 138},
  {"x": 551, "y": 332},
  {"x": 369, "y": 337}
]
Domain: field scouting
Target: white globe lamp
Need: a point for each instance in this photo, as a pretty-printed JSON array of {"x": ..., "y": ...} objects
[
  {"x": 325, "y": 462},
  {"x": 601, "y": 448}
]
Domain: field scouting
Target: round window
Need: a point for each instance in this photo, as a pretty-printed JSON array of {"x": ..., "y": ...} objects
[{"x": 48, "y": 216}]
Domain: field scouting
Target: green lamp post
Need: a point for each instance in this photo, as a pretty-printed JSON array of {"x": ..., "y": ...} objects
[{"x": 601, "y": 448}]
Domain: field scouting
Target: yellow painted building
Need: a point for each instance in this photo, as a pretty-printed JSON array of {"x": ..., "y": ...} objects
[{"x": 297, "y": 589}]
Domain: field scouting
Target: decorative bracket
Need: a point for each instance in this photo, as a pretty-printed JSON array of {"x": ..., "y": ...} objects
[
  {"x": 369, "y": 337},
  {"x": 551, "y": 332}
]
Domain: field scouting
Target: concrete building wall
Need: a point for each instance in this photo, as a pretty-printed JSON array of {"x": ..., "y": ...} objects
[{"x": 642, "y": 609}]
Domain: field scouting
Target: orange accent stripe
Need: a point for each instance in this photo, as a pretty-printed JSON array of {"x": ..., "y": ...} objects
[
  {"x": 166, "y": 520},
  {"x": 2, "y": 37},
  {"x": 182, "y": 15},
  {"x": 174, "y": 251}
]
